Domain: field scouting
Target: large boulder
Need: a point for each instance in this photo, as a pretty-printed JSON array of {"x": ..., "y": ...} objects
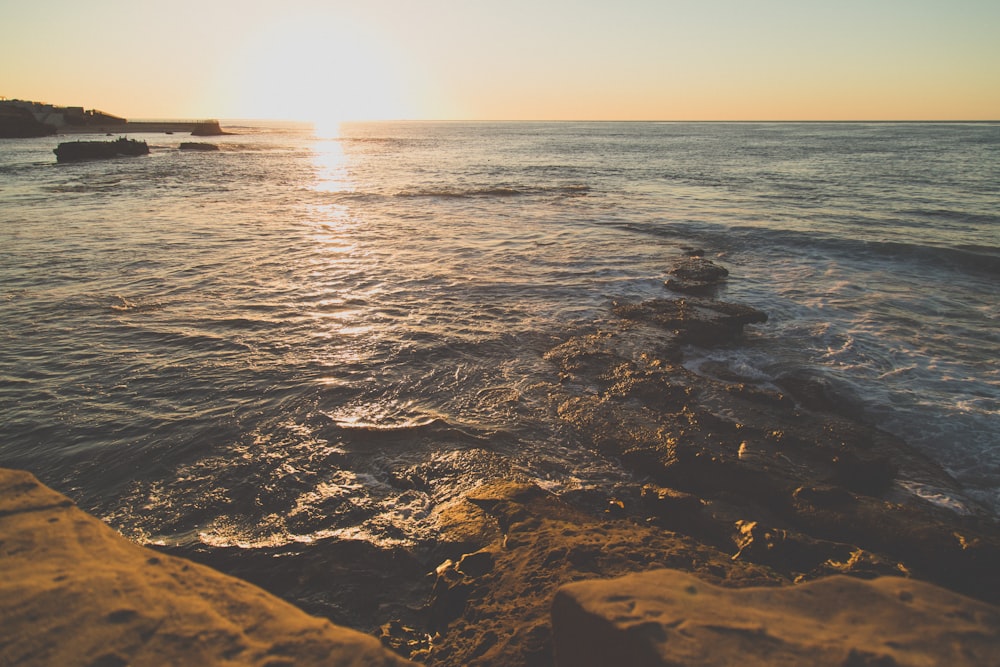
[
  {"x": 74, "y": 592},
  {"x": 667, "y": 617}
]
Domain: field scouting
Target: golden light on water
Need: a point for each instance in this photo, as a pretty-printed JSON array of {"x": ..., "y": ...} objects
[{"x": 330, "y": 164}]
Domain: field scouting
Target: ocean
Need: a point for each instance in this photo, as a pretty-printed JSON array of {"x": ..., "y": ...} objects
[{"x": 268, "y": 344}]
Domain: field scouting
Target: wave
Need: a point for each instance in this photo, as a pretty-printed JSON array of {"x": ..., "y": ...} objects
[
  {"x": 498, "y": 191},
  {"x": 972, "y": 258},
  {"x": 380, "y": 428},
  {"x": 966, "y": 257}
]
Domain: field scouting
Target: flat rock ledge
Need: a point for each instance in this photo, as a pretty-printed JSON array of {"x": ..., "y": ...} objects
[
  {"x": 74, "y": 592},
  {"x": 667, "y": 617}
]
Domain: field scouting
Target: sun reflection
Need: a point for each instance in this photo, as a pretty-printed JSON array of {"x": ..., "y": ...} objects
[{"x": 330, "y": 163}]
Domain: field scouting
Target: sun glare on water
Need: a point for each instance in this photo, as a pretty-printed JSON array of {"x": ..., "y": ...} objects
[{"x": 320, "y": 71}]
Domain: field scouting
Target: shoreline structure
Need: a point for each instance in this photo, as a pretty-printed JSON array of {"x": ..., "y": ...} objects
[{"x": 20, "y": 118}]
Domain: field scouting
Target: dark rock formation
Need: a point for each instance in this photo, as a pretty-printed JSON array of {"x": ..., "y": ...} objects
[
  {"x": 74, "y": 592},
  {"x": 804, "y": 492},
  {"x": 208, "y": 128},
  {"x": 698, "y": 321},
  {"x": 665, "y": 618},
  {"x": 197, "y": 146},
  {"x": 695, "y": 274},
  {"x": 75, "y": 151}
]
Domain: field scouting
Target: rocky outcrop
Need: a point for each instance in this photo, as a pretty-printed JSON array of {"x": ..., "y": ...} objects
[
  {"x": 197, "y": 146},
  {"x": 695, "y": 274},
  {"x": 492, "y": 606},
  {"x": 692, "y": 320},
  {"x": 74, "y": 592},
  {"x": 208, "y": 128},
  {"x": 76, "y": 151},
  {"x": 666, "y": 617},
  {"x": 794, "y": 483}
]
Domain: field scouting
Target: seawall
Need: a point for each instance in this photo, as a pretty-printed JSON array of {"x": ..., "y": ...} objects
[{"x": 197, "y": 128}]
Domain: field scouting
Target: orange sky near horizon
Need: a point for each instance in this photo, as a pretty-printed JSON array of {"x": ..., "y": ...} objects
[{"x": 445, "y": 59}]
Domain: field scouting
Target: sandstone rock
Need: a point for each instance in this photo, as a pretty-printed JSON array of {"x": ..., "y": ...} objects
[
  {"x": 491, "y": 607},
  {"x": 465, "y": 526},
  {"x": 74, "y": 592},
  {"x": 667, "y": 617}
]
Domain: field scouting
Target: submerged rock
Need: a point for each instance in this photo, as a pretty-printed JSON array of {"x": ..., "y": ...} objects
[
  {"x": 695, "y": 274},
  {"x": 667, "y": 617},
  {"x": 197, "y": 146},
  {"x": 696, "y": 321}
]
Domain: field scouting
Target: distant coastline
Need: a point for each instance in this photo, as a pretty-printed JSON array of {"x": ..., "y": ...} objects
[{"x": 21, "y": 118}]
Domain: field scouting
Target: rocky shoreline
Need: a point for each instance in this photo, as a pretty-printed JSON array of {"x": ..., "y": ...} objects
[
  {"x": 74, "y": 592},
  {"x": 743, "y": 486}
]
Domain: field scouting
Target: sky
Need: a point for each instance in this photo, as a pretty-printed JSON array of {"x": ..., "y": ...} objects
[{"x": 334, "y": 60}]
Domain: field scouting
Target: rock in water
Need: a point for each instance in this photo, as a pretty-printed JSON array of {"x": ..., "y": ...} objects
[
  {"x": 667, "y": 617},
  {"x": 695, "y": 274},
  {"x": 74, "y": 151},
  {"x": 208, "y": 128},
  {"x": 197, "y": 146},
  {"x": 74, "y": 592},
  {"x": 694, "y": 320}
]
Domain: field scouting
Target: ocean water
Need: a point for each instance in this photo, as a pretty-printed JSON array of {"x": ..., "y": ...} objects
[{"x": 270, "y": 343}]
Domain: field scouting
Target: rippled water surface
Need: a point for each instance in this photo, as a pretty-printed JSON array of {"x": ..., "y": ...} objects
[{"x": 277, "y": 342}]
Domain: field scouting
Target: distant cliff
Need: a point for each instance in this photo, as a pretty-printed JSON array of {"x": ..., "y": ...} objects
[
  {"x": 20, "y": 118},
  {"x": 18, "y": 122}
]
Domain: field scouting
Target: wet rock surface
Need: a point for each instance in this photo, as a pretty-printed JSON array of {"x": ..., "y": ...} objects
[
  {"x": 741, "y": 485},
  {"x": 694, "y": 274},
  {"x": 197, "y": 146}
]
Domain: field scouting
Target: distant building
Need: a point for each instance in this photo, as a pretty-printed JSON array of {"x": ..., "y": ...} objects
[{"x": 61, "y": 117}]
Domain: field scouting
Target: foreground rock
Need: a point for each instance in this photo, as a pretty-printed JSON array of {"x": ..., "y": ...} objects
[
  {"x": 667, "y": 617},
  {"x": 73, "y": 592},
  {"x": 492, "y": 606}
]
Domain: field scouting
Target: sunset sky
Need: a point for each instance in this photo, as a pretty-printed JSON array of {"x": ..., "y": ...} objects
[{"x": 540, "y": 59}]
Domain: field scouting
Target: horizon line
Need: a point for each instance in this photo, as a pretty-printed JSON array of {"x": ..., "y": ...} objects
[{"x": 608, "y": 120}]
